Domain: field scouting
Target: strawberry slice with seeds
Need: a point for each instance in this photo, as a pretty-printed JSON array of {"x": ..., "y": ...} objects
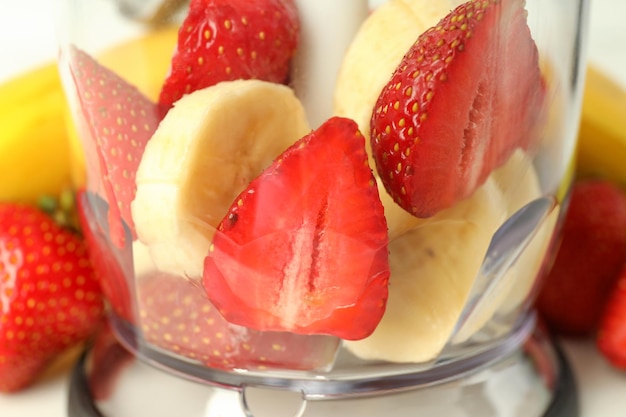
[
  {"x": 223, "y": 40},
  {"x": 50, "y": 299},
  {"x": 611, "y": 339},
  {"x": 176, "y": 315},
  {"x": 120, "y": 121},
  {"x": 304, "y": 247},
  {"x": 112, "y": 265},
  {"x": 466, "y": 94}
]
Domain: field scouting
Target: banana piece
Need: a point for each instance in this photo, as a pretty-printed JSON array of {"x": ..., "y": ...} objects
[
  {"x": 203, "y": 154},
  {"x": 519, "y": 184},
  {"x": 399, "y": 221},
  {"x": 433, "y": 267},
  {"x": 377, "y": 49},
  {"x": 602, "y": 135}
]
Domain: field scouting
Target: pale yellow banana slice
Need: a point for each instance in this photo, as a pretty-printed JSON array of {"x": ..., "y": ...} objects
[
  {"x": 519, "y": 184},
  {"x": 377, "y": 49},
  {"x": 204, "y": 153},
  {"x": 399, "y": 221},
  {"x": 433, "y": 267}
]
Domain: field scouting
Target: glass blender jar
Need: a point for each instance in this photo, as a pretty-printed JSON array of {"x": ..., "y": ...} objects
[{"x": 317, "y": 208}]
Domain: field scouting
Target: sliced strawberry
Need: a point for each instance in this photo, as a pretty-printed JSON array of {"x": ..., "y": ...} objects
[
  {"x": 467, "y": 93},
  {"x": 612, "y": 331},
  {"x": 177, "y": 316},
  {"x": 120, "y": 120},
  {"x": 112, "y": 265},
  {"x": 588, "y": 261},
  {"x": 222, "y": 40},
  {"x": 50, "y": 299},
  {"x": 304, "y": 247}
]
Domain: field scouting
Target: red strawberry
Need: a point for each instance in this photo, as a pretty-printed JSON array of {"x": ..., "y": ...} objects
[
  {"x": 222, "y": 40},
  {"x": 304, "y": 247},
  {"x": 177, "y": 316},
  {"x": 467, "y": 93},
  {"x": 120, "y": 120},
  {"x": 612, "y": 334},
  {"x": 49, "y": 297},
  {"x": 588, "y": 261},
  {"x": 112, "y": 265}
]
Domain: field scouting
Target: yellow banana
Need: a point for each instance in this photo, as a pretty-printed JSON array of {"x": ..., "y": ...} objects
[
  {"x": 144, "y": 61},
  {"x": 602, "y": 136},
  {"x": 40, "y": 152},
  {"x": 34, "y": 158},
  {"x": 26, "y": 88}
]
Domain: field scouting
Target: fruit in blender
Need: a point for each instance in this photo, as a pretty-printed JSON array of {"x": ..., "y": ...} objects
[
  {"x": 465, "y": 96},
  {"x": 120, "y": 121},
  {"x": 177, "y": 316},
  {"x": 113, "y": 265},
  {"x": 224, "y": 40},
  {"x": 376, "y": 51},
  {"x": 432, "y": 269},
  {"x": 304, "y": 247},
  {"x": 221, "y": 182},
  {"x": 50, "y": 299},
  {"x": 207, "y": 149}
]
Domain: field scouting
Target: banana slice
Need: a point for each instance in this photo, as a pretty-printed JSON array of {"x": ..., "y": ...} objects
[
  {"x": 399, "y": 221},
  {"x": 519, "y": 183},
  {"x": 432, "y": 269},
  {"x": 377, "y": 49},
  {"x": 204, "y": 153}
]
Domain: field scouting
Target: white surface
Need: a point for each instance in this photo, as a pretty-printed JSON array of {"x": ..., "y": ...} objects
[{"x": 27, "y": 38}]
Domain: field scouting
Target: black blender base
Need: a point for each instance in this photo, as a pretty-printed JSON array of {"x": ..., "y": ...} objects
[{"x": 564, "y": 403}]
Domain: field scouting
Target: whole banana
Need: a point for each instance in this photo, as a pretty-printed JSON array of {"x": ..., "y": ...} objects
[
  {"x": 602, "y": 135},
  {"x": 40, "y": 150},
  {"x": 34, "y": 156}
]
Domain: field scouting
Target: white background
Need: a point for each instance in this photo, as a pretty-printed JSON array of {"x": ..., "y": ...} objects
[{"x": 27, "y": 38}]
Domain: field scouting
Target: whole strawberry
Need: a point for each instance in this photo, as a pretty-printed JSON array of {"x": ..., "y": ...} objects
[
  {"x": 465, "y": 96},
  {"x": 611, "y": 339},
  {"x": 223, "y": 40},
  {"x": 49, "y": 297},
  {"x": 588, "y": 261}
]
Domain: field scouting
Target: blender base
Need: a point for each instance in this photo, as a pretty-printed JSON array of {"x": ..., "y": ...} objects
[{"x": 535, "y": 381}]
